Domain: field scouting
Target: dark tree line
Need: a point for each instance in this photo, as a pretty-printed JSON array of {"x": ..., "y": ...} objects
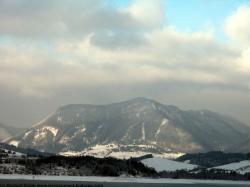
[
  {"x": 214, "y": 158},
  {"x": 88, "y": 165}
]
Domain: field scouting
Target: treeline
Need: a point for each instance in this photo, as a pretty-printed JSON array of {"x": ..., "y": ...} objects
[
  {"x": 27, "y": 151},
  {"x": 87, "y": 166},
  {"x": 213, "y": 174},
  {"x": 92, "y": 166},
  {"x": 214, "y": 158}
]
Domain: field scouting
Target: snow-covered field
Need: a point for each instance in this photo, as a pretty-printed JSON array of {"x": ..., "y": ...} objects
[
  {"x": 111, "y": 150},
  {"x": 161, "y": 164},
  {"x": 122, "y": 179},
  {"x": 240, "y": 167}
]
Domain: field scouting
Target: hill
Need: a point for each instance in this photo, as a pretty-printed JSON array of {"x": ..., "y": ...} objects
[{"x": 137, "y": 125}]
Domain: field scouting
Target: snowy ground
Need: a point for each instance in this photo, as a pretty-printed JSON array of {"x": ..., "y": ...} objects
[
  {"x": 161, "y": 164},
  {"x": 240, "y": 167},
  {"x": 115, "y": 150},
  {"x": 122, "y": 179}
]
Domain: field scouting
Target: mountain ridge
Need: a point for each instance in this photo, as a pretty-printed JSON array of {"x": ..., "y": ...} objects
[
  {"x": 8, "y": 131},
  {"x": 139, "y": 121}
]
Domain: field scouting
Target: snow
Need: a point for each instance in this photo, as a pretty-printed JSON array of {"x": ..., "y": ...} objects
[
  {"x": 121, "y": 179},
  {"x": 143, "y": 132},
  {"x": 53, "y": 130},
  {"x": 27, "y": 134},
  {"x": 119, "y": 155},
  {"x": 127, "y": 155},
  {"x": 171, "y": 155},
  {"x": 161, "y": 164},
  {"x": 70, "y": 153},
  {"x": 11, "y": 168},
  {"x": 82, "y": 130},
  {"x": 12, "y": 154},
  {"x": 42, "y": 132},
  {"x": 107, "y": 150},
  {"x": 240, "y": 167},
  {"x": 164, "y": 122},
  {"x": 39, "y": 136},
  {"x": 59, "y": 119},
  {"x": 14, "y": 142}
]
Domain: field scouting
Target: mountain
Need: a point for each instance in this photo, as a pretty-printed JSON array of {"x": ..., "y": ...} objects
[
  {"x": 137, "y": 125},
  {"x": 8, "y": 132}
]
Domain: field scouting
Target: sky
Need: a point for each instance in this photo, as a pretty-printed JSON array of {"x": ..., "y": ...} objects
[{"x": 194, "y": 54}]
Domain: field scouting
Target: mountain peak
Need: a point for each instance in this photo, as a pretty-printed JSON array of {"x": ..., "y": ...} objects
[{"x": 141, "y": 99}]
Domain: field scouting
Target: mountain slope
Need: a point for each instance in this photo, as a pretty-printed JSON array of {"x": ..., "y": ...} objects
[
  {"x": 241, "y": 167},
  {"x": 138, "y": 121},
  {"x": 23, "y": 151},
  {"x": 8, "y": 132}
]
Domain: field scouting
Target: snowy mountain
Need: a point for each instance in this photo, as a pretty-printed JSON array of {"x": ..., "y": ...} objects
[
  {"x": 138, "y": 125},
  {"x": 8, "y": 132},
  {"x": 162, "y": 164}
]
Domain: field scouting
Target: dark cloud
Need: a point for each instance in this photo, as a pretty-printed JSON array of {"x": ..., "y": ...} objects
[
  {"x": 118, "y": 40},
  {"x": 53, "y": 19}
]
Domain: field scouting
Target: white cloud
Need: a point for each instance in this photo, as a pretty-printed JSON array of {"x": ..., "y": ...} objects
[
  {"x": 243, "y": 62},
  {"x": 237, "y": 26},
  {"x": 149, "y": 13},
  {"x": 89, "y": 48},
  {"x": 169, "y": 56}
]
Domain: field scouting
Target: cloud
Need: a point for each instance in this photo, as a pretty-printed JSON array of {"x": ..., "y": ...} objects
[
  {"x": 148, "y": 13},
  {"x": 243, "y": 61},
  {"x": 75, "y": 19},
  {"x": 64, "y": 51},
  {"x": 237, "y": 26},
  {"x": 166, "y": 57}
]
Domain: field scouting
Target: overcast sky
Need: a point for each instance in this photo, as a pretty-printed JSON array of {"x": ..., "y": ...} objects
[{"x": 193, "y": 54}]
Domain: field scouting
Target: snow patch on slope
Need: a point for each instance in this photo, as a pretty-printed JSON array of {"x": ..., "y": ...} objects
[
  {"x": 161, "y": 164},
  {"x": 143, "y": 132},
  {"x": 59, "y": 119},
  {"x": 14, "y": 142},
  {"x": 39, "y": 135},
  {"x": 27, "y": 134},
  {"x": 163, "y": 123},
  {"x": 240, "y": 167},
  {"x": 53, "y": 130}
]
